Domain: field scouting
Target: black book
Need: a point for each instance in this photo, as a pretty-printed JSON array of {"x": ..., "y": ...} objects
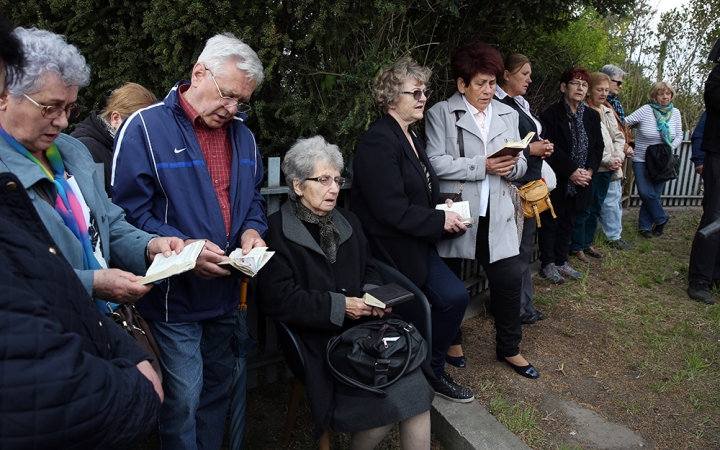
[{"x": 386, "y": 296}]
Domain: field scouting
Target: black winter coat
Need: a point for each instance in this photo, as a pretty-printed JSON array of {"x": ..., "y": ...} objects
[
  {"x": 711, "y": 136},
  {"x": 95, "y": 136},
  {"x": 556, "y": 129},
  {"x": 300, "y": 288},
  {"x": 68, "y": 373}
]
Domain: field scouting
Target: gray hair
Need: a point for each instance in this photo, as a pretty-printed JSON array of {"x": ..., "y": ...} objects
[
  {"x": 47, "y": 52},
  {"x": 304, "y": 155},
  {"x": 389, "y": 83},
  {"x": 222, "y": 48},
  {"x": 612, "y": 71}
]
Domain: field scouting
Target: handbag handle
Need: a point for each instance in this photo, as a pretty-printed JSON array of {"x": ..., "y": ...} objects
[{"x": 354, "y": 383}]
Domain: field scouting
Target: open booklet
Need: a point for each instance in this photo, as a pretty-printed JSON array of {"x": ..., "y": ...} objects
[
  {"x": 513, "y": 148},
  {"x": 249, "y": 265},
  {"x": 176, "y": 263},
  {"x": 462, "y": 209}
]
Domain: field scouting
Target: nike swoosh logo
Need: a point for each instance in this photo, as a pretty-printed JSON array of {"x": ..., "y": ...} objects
[{"x": 181, "y": 150}]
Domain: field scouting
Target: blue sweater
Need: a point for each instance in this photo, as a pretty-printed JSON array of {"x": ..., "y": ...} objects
[{"x": 161, "y": 180}]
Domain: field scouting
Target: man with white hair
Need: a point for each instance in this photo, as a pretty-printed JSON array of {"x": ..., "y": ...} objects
[
  {"x": 190, "y": 167},
  {"x": 611, "y": 212}
]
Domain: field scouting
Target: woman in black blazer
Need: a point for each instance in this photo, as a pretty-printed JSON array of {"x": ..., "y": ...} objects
[
  {"x": 394, "y": 192},
  {"x": 574, "y": 129}
]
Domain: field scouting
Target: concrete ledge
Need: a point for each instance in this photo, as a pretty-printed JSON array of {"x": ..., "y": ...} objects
[{"x": 468, "y": 426}]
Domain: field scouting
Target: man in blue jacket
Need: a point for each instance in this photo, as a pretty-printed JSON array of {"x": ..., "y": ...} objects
[
  {"x": 698, "y": 155},
  {"x": 189, "y": 167}
]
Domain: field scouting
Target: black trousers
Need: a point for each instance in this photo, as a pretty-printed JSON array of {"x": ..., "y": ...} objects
[
  {"x": 505, "y": 282},
  {"x": 554, "y": 235},
  {"x": 704, "y": 256}
]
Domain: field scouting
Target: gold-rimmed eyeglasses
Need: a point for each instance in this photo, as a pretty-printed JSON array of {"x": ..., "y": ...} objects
[
  {"x": 229, "y": 102},
  {"x": 72, "y": 111}
]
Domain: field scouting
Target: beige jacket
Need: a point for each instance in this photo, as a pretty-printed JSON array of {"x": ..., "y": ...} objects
[{"x": 613, "y": 139}]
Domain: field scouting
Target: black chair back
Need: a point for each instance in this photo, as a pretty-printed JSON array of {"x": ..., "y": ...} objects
[{"x": 291, "y": 350}]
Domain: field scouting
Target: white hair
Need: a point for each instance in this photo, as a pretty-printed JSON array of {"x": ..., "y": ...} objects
[
  {"x": 225, "y": 47},
  {"x": 612, "y": 71},
  {"x": 300, "y": 161},
  {"x": 45, "y": 53}
]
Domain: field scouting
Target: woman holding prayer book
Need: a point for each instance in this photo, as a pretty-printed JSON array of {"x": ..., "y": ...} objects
[
  {"x": 59, "y": 173},
  {"x": 315, "y": 283},
  {"x": 510, "y": 90},
  {"x": 574, "y": 128},
  {"x": 461, "y": 132}
]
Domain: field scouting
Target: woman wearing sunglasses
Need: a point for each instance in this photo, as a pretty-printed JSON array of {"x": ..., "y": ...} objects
[{"x": 394, "y": 193}]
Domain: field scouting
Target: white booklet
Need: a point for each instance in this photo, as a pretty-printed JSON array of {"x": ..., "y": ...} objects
[
  {"x": 247, "y": 265},
  {"x": 176, "y": 263},
  {"x": 462, "y": 209}
]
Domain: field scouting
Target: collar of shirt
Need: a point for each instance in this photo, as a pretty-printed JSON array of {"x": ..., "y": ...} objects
[
  {"x": 193, "y": 115},
  {"x": 499, "y": 92},
  {"x": 485, "y": 120}
]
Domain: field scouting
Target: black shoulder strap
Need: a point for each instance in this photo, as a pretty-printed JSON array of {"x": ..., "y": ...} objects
[{"x": 461, "y": 143}]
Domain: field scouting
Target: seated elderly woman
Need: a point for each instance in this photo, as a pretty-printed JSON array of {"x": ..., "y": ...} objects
[
  {"x": 315, "y": 284},
  {"x": 98, "y": 130},
  {"x": 59, "y": 173}
]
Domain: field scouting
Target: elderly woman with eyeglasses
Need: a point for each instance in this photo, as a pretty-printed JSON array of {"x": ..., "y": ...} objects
[
  {"x": 574, "y": 129},
  {"x": 394, "y": 193},
  {"x": 60, "y": 175},
  {"x": 315, "y": 284}
]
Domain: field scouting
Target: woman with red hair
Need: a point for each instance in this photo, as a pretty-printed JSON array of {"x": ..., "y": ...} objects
[
  {"x": 461, "y": 132},
  {"x": 575, "y": 131}
]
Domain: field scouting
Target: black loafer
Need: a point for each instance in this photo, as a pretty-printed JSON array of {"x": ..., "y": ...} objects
[
  {"x": 528, "y": 318},
  {"x": 645, "y": 233},
  {"x": 657, "y": 230},
  {"x": 527, "y": 371},
  {"x": 539, "y": 315},
  {"x": 457, "y": 361}
]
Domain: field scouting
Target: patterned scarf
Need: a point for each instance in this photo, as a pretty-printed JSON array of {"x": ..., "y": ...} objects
[
  {"x": 329, "y": 234},
  {"x": 579, "y": 141},
  {"x": 662, "y": 117},
  {"x": 66, "y": 203},
  {"x": 617, "y": 106}
]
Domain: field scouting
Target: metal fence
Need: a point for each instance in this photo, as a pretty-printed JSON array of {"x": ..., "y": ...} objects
[{"x": 263, "y": 362}]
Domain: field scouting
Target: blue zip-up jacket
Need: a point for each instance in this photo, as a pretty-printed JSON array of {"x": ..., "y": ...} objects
[
  {"x": 698, "y": 156},
  {"x": 161, "y": 180}
]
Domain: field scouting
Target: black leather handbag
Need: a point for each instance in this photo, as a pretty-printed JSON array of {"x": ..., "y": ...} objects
[{"x": 375, "y": 355}]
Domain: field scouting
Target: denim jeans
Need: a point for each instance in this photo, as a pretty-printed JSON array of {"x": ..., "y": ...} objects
[
  {"x": 587, "y": 220},
  {"x": 449, "y": 300},
  {"x": 611, "y": 212},
  {"x": 197, "y": 364},
  {"x": 242, "y": 343},
  {"x": 651, "y": 210}
]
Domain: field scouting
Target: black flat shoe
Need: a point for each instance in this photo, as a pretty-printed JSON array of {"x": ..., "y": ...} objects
[
  {"x": 645, "y": 233},
  {"x": 528, "y": 318},
  {"x": 657, "y": 230},
  {"x": 539, "y": 315},
  {"x": 527, "y": 371},
  {"x": 457, "y": 361}
]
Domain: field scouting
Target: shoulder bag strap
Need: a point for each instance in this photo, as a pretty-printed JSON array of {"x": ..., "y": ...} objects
[{"x": 461, "y": 145}]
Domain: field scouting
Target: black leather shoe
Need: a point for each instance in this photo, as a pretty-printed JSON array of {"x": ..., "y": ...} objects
[
  {"x": 457, "y": 361},
  {"x": 527, "y": 371},
  {"x": 645, "y": 233},
  {"x": 700, "y": 294},
  {"x": 445, "y": 387},
  {"x": 657, "y": 230},
  {"x": 540, "y": 316},
  {"x": 528, "y": 318}
]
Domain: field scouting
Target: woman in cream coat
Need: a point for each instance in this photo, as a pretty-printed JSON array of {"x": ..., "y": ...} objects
[{"x": 483, "y": 125}]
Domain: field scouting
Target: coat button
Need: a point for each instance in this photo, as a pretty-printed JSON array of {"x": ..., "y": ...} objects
[
  {"x": 509, "y": 219},
  {"x": 108, "y": 346},
  {"x": 472, "y": 167},
  {"x": 100, "y": 323},
  {"x": 11, "y": 186},
  {"x": 52, "y": 250}
]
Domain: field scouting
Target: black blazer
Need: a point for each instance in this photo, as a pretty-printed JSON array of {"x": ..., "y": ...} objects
[
  {"x": 526, "y": 125},
  {"x": 711, "y": 136},
  {"x": 556, "y": 125},
  {"x": 391, "y": 196}
]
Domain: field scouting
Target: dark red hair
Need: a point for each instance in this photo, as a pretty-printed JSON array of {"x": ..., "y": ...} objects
[
  {"x": 574, "y": 72},
  {"x": 470, "y": 60}
]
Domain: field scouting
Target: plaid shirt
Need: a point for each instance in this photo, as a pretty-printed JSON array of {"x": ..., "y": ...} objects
[
  {"x": 217, "y": 151},
  {"x": 617, "y": 106}
]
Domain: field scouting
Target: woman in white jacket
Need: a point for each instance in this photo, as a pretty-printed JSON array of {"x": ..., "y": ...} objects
[{"x": 612, "y": 159}]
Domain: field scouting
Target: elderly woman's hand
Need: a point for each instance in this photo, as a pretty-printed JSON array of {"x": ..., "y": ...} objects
[
  {"x": 453, "y": 222},
  {"x": 501, "y": 166},
  {"x": 615, "y": 164},
  {"x": 118, "y": 286},
  {"x": 581, "y": 177},
  {"x": 542, "y": 148},
  {"x": 355, "y": 308}
]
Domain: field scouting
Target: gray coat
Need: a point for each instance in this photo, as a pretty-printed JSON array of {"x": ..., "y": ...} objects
[
  {"x": 443, "y": 152},
  {"x": 123, "y": 245}
]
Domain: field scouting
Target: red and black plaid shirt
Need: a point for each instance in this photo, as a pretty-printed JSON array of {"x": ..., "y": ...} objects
[{"x": 217, "y": 150}]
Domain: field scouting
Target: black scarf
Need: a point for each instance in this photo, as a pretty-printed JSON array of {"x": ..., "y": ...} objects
[
  {"x": 579, "y": 141},
  {"x": 329, "y": 234}
]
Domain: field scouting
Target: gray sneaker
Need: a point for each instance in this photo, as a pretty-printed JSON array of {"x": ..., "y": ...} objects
[
  {"x": 566, "y": 271},
  {"x": 620, "y": 244},
  {"x": 551, "y": 274}
]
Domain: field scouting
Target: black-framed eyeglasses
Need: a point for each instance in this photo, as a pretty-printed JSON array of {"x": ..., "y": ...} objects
[
  {"x": 72, "y": 111},
  {"x": 327, "y": 181},
  {"x": 229, "y": 102},
  {"x": 619, "y": 82},
  {"x": 418, "y": 93}
]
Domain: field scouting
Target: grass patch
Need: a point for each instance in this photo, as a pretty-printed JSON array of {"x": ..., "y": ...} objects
[{"x": 518, "y": 419}]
